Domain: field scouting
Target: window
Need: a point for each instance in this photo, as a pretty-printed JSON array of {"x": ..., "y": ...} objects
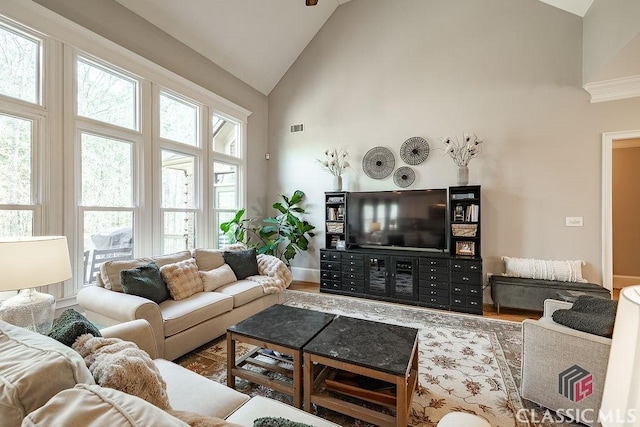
[
  {"x": 126, "y": 160},
  {"x": 20, "y": 64}
]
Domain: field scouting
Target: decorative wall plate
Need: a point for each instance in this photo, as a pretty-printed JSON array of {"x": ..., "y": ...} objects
[
  {"x": 378, "y": 163},
  {"x": 404, "y": 176},
  {"x": 414, "y": 150}
]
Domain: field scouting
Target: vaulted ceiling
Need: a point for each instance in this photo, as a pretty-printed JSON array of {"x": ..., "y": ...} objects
[{"x": 256, "y": 41}]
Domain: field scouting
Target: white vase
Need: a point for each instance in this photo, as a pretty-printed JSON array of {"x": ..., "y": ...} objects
[
  {"x": 463, "y": 175},
  {"x": 337, "y": 183}
]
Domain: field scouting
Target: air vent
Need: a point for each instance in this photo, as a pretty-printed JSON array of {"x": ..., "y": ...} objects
[{"x": 297, "y": 128}]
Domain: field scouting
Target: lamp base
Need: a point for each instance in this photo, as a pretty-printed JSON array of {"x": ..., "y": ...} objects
[{"x": 29, "y": 309}]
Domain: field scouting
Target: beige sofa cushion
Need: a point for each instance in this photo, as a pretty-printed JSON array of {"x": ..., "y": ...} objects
[
  {"x": 182, "y": 279},
  {"x": 181, "y": 315},
  {"x": 92, "y": 405},
  {"x": 217, "y": 277},
  {"x": 110, "y": 270},
  {"x": 208, "y": 259},
  {"x": 242, "y": 291},
  {"x": 33, "y": 368}
]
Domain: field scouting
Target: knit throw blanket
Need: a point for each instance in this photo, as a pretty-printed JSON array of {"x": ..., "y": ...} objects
[
  {"x": 274, "y": 275},
  {"x": 121, "y": 365}
]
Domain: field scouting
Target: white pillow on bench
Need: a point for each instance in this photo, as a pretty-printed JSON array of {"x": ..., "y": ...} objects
[{"x": 529, "y": 268}]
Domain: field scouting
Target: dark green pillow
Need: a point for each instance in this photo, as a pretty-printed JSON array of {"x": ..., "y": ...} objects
[
  {"x": 70, "y": 325},
  {"x": 277, "y": 422},
  {"x": 243, "y": 263},
  {"x": 146, "y": 282}
]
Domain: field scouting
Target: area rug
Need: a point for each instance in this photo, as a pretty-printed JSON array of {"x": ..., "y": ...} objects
[{"x": 466, "y": 363}]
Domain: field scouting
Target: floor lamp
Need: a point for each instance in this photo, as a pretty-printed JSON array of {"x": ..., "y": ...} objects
[
  {"x": 26, "y": 263},
  {"x": 621, "y": 396}
]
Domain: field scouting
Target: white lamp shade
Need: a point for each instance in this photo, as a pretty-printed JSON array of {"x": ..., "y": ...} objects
[
  {"x": 33, "y": 261},
  {"x": 621, "y": 396}
]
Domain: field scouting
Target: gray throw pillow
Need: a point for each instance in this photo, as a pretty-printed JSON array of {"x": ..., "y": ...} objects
[
  {"x": 277, "y": 422},
  {"x": 243, "y": 263},
  {"x": 589, "y": 314},
  {"x": 70, "y": 325},
  {"x": 146, "y": 282}
]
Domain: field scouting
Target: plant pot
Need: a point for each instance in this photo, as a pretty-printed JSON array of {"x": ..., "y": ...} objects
[{"x": 463, "y": 175}]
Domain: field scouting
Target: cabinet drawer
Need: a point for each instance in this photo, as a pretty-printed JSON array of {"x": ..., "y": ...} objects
[
  {"x": 353, "y": 262},
  {"x": 351, "y": 256},
  {"x": 434, "y": 277},
  {"x": 430, "y": 284},
  {"x": 458, "y": 300},
  {"x": 466, "y": 266},
  {"x": 330, "y": 265},
  {"x": 433, "y": 269},
  {"x": 434, "y": 292},
  {"x": 474, "y": 291},
  {"x": 353, "y": 269},
  {"x": 352, "y": 282},
  {"x": 433, "y": 262},
  {"x": 330, "y": 275},
  {"x": 458, "y": 289},
  {"x": 330, "y": 284},
  {"x": 472, "y": 278},
  {"x": 352, "y": 276},
  {"x": 473, "y": 302},
  {"x": 329, "y": 256},
  {"x": 434, "y": 299},
  {"x": 353, "y": 288}
]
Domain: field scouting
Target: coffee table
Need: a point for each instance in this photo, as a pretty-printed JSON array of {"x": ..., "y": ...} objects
[
  {"x": 280, "y": 329},
  {"x": 384, "y": 357}
]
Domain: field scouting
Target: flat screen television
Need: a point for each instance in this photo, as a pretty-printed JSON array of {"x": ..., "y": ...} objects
[{"x": 409, "y": 219}]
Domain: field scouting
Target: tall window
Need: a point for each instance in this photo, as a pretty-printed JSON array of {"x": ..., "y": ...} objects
[
  {"x": 107, "y": 109},
  {"x": 20, "y": 126}
]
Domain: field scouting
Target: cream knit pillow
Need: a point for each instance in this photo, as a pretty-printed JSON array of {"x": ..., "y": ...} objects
[
  {"x": 182, "y": 279},
  {"x": 562, "y": 271},
  {"x": 217, "y": 277}
]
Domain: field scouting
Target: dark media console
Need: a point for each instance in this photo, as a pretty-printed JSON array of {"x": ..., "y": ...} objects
[{"x": 449, "y": 280}]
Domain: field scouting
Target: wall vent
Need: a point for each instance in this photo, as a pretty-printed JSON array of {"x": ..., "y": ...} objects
[{"x": 297, "y": 128}]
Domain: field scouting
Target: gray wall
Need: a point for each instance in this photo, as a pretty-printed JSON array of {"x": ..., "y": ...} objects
[
  {"x": 118, "y": 24},
  {"x": 510, "y": 71}
]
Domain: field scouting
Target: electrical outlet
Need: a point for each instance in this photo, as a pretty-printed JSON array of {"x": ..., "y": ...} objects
[{"x": 573, "y": 221}]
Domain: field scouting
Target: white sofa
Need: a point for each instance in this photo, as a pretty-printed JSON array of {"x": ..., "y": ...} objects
[
  {"x": 178, "y": 326},
  {"x": 45, "y": 383}
]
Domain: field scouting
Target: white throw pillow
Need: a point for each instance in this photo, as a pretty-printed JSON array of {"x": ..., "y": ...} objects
[
  {"x": 182, "y": 279},
  {"x": 217, "y": 277},
  {"x": 562, "y": 271}
]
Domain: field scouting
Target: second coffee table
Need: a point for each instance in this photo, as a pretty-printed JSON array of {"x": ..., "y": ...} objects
[{"x": 278, "y": 328}]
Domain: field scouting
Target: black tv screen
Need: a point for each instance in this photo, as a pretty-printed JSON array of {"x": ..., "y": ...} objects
[{"x": 410, "y": 219}]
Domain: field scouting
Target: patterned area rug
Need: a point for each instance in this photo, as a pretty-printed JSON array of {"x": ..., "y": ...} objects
[{"x": 466, "y": 363}]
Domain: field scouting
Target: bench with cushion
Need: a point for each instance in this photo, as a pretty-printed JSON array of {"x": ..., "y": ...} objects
[{"x": 529, "y": 294}]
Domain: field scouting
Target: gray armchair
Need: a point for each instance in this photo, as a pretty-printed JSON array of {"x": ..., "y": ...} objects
[{"x": 550, "y": 354}]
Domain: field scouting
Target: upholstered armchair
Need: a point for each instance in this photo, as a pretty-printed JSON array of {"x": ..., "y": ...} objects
[{"x": 563, "y": 369}]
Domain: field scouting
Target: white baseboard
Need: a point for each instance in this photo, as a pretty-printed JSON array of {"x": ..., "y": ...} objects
[
  {"x": 620, "y": 281},
  {"x": 306, "y": 274}
]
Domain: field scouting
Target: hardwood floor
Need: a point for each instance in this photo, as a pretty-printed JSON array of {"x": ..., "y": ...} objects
[{"x": 488, "y": 310}]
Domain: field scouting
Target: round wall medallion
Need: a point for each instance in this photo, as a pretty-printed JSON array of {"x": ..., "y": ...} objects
[
  {"x": 378, "y": 163},
  {"x": 414, "y": 150},
  {"x": 404, "y": 176}
]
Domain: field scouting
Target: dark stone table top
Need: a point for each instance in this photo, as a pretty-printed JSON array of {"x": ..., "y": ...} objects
[
  {"x": 375, "y": 345},
  {"x": 283, "y": 325}
]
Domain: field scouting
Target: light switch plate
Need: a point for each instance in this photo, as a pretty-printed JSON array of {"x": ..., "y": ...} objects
[{"x": 573, "y": 221}]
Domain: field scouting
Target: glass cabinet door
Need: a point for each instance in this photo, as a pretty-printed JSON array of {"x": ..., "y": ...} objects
[
  {"x": 377, "y": 275},
  {"x": 403, "y": 278}
]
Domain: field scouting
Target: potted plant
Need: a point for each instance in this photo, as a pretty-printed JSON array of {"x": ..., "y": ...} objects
[{"x": 283, "y": 235}]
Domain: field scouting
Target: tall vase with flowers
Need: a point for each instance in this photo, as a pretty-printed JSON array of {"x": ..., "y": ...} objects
[
  {"x": 335, "y": 163},
  {"x": 462, "y": 153}
]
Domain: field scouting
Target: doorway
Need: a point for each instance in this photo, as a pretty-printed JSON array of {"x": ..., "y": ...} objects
[{"x": 612, "y": 141}]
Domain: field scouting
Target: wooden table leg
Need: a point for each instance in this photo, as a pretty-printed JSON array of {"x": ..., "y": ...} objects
[
  {"x": 401, "y": 402},
  {"x": 308, "y": 381},
  {"x": 297, "y": 379},
  {"x": 231, "y": 361}
]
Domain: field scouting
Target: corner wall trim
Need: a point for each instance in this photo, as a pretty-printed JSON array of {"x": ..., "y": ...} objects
[
  {"x": 611, "y": 90},
  {"x": 306, "y": 274}
]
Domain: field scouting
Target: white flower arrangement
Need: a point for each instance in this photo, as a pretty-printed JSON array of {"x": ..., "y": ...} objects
[
  {"x": 336, "y": 161},
  {"x": 463, "y": 153}
]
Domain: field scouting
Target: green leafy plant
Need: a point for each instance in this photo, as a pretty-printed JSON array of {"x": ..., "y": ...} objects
[{"x": 283, "y": 235}]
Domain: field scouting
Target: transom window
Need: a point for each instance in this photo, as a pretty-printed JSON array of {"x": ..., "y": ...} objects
[{"x": 20, "y": 71}]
